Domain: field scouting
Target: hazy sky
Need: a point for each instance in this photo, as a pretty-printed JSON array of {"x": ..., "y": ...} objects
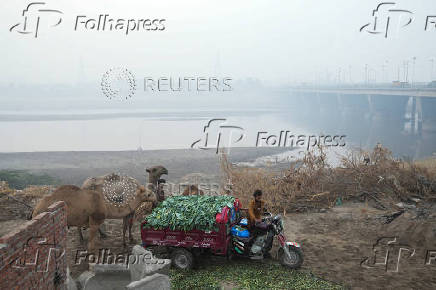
[{"x": 275, "y": 41}]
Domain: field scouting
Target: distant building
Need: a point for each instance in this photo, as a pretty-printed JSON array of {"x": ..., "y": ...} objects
[
  {"x": 432, "y": 84},
  {"x": 398, "y": 84}
]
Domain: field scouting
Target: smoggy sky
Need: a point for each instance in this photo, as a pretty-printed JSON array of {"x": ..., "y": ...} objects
[{"x": 274, "y": 41}]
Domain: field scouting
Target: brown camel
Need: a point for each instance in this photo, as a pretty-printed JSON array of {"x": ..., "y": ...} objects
[
  {"x": 192, "y": 190},
  {"x": 156, "y": 184},
  {"x": 154, "y": 175},
  {"x": 117, "y": 193},
  {"x": 84, "y": 208}
]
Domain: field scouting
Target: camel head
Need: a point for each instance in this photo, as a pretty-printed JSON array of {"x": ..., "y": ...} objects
[
  {"x": 155, "y": 173},
  {"x": 145, "y": 194}
]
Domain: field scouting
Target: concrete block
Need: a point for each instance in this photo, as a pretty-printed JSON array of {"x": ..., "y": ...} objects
[
  {"x": 70, "y": 284},
  {"x": 153, "y": 282},
  {"x": 146, "y": 264}
]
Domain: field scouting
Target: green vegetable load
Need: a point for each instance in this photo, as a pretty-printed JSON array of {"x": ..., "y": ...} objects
[{"x": 188, "y": 212}]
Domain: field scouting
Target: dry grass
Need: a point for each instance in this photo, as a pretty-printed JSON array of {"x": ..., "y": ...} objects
[
  {"x": 429, "y": 164},
  {"x": 36, "y": 191},
  {"x": 310, "y": 183},
  {"x": 4, "y": 188}
]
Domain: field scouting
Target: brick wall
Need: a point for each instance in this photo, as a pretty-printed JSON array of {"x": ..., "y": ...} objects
[{"x": 34, "y": 255}]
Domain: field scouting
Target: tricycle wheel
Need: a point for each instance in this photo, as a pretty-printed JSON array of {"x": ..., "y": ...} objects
[
  {"x": 182, "y": 259},
  {"x": 295, "y": 258}
]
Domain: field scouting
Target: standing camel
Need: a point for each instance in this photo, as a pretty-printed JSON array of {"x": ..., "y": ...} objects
[
  {"x": 84, "y": 208},
  {"x": 156, "y": 184},
  {"x": 117, "y": 190}
]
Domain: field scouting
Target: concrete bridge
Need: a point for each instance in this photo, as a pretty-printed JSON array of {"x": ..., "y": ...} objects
[
  {"x": 409, "y": 113},
  {"x": 412, "y": 92}
]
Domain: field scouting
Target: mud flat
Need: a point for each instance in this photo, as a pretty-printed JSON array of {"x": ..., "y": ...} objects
[{"x": 75, "y": 167}]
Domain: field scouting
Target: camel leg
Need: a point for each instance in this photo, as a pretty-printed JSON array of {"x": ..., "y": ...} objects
[
  {"x": 79, "y": 229},
  {"x": 92, "y": 234},
  {"x": 94, "y": 224},
  {"x": 130, "y": 221},
  {"x": 103, "y": 235},
  {"x": 124, "y": 230}
]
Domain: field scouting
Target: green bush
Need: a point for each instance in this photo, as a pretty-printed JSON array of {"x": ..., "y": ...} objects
[{"x": 20, "y": 179}]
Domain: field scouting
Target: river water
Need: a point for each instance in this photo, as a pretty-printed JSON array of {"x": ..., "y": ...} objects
[{"x": 147, "y": 129}]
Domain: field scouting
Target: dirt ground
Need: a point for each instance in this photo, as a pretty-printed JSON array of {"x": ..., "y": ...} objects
[
  {"x": 113, "y": 243},
  {"x": 335, "y": 243}
]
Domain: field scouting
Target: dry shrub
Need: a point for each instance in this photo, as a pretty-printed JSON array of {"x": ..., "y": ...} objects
[
  {"x": 246, "y": 180},
  {"x": 310, "y": 183},
  {"x": 429, "y": 165},
  {"x": 4, "y": 188},
  {"x": 36, "y": 191}
]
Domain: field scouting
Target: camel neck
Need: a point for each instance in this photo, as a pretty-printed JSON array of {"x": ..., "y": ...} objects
[{"x": 153, "y": 180}]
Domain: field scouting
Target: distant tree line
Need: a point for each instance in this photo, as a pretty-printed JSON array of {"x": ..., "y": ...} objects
[{"x": 20, "y": 179}]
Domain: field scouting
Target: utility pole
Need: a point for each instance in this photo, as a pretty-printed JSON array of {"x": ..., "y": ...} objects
[
  {"x": 431, "y": 69},
  {"x": 398, "y": 73},
  {"x": 366, "y": 74},
  {"x": 406, "y": 70},
  {"x": 413, "y": 70},
  {"x": 387, "y": 71}
]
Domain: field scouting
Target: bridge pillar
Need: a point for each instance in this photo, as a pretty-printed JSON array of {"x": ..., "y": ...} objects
[
  {"x": 418, "y": 116},
  {"x": 372, "y": 121},
  {"x": 413, "y": 116}
]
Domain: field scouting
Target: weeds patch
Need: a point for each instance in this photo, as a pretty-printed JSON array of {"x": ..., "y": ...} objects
[{"x": 247, "y": 275}]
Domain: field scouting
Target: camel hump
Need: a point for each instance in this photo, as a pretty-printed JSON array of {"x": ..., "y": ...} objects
[{"x": 69, "y": 187}]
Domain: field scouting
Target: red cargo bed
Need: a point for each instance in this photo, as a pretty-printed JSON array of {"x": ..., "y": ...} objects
[{"x": 215, "y": 241}]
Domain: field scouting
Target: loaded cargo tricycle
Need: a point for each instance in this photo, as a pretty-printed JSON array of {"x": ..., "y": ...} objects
[{"x": 232, "y": 237}]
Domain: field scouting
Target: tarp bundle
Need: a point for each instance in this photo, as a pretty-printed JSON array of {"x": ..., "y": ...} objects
[{"x": 189, "y": 212}]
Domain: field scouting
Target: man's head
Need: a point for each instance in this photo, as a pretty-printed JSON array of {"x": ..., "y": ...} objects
[{"x": 257, "y": 194}]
